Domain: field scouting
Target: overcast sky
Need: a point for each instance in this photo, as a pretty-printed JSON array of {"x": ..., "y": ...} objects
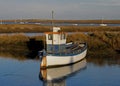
[{"x": 63, "y": 9}]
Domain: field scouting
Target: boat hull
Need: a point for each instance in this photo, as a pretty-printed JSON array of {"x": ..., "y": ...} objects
[
  {"x": 55, "y": 61},
  {"x": 59, "y": 73}
]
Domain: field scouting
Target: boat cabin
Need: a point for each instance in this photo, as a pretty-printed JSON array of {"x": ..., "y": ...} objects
[{"x": 55, "y": 40}]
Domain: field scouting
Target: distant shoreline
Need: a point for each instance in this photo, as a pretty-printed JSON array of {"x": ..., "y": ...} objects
[
  {"x": 64, "y": 21},
  {"x": 33, "y": 28}
]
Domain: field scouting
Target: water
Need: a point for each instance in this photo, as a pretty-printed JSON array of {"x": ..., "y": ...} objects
[
  {"x": 26, "y": 34},
  {"x": 59, "y": 24},
  {"x": 88, "y": 72},
  {"x": 33, "y": 34},
  {"x": 19, "y": 73}
]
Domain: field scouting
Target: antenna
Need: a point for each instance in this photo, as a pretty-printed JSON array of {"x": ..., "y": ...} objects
[
  {"x": 1, "y": 22},
  {"x": 52, "y": 30},
  {"x": 52, "y": 18}
]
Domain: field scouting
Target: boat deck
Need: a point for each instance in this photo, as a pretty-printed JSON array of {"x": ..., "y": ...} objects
[{"x": 70, "y": 50}]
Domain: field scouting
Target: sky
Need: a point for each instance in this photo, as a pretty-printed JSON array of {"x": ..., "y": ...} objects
[{"x": 63, "y": 9}]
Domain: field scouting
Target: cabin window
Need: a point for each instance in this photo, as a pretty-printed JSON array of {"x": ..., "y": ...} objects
[
  {"x": 50, "y": 36},
  {"x": 63, "y": 36}
]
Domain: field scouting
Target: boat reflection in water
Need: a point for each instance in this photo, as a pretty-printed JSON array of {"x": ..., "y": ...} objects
[{"x": 57, "y": 76}]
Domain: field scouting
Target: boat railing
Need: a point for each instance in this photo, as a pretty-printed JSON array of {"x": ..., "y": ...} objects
[{"x": 70, "y": 51}]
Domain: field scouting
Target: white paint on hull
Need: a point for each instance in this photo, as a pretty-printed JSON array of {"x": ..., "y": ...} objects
[
  {"x": 103, "y": 24},
  {"x": 64, "y": 60},
  {"x": 50, "y": 74}
]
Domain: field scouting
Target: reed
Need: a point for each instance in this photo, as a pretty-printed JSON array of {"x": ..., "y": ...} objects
[
  {"x": 13, "y": 28},
  {"x": 77, "y": 37},
  {"x": 95, "y": 40},
  {"x": 88, "y": 28},
  {"x": 98, "y": 40},
  {"x": 99, "y": 43},
  {"x": 13, "y": 39},
  {"x": 110, "y": 38},
  {"x": 65, "y": 21},
  {"x": 19, "y": 46},
  {"x": 39, "y": 28}
]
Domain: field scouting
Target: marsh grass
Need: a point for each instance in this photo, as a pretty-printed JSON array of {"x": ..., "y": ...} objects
[
  {"x": 65, "y": 21},
  {"x": 88, "y": 28},
  {"x": 16, "y": 42},
  {"x": 95, "y": 40},
  {"x": 112, "y": 39},
  {"x": 16, "y": 46},
  {"x": 13, "y": 39},
  {"x": 99, "y": 43},
  {"x": 13, "y": 28}
]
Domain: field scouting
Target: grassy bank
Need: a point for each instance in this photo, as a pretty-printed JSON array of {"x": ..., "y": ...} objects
[
  {"x": 98, "y": 40},
  {"x": 20, "y": 46},
  {"x": 88, "y": 28},
  {"x": 13, "y": 28},
  {"x": 100, "y": 44},
  {"x": 97, "y": 21}
]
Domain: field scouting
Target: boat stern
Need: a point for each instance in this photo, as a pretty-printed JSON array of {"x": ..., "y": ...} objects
[{"x": 43, "y": 63}]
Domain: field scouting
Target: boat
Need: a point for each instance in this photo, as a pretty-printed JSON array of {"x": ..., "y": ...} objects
[
  {"x": 60, "y": 53},
  {"x": 102, "y": 24},
  {"x": 1, "y": 22},
  {"x": 62, "y": 73},
  {"x": 75, "y": 24}
]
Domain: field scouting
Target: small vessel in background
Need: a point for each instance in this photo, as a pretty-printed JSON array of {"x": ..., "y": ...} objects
[
  {"x": 75, "y": 24},
  {"x": 1, "y": 22},
  {"x": 102, "y": 24}
]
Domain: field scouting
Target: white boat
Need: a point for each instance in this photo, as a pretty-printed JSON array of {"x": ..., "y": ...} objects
[
  {"x": 61, "y": 73},
  {"x": 102, "y": 24},
  {"x": 38, "y": 23},
  {"x": 75, "y": 24},
  {"x": 60, "y": 53}
]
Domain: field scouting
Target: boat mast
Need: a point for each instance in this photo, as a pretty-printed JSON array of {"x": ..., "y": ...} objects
[
  {"x": 102, "y": 21},
  {"x": 1, "y": 21},
  {"x": 52, "y": 30},
  {"x": 52, "y": 18}
]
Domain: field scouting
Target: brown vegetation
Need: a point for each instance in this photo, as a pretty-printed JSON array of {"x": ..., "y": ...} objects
[
  {"x": 16, "y": 46},
  {"x": 99, "y": 43},
  {"x": 98, "y": 21},
  {"x": 13, "y": 28},
  {"x": 102, "y": 41},
  {"x": 96, "y": 40},
  {"x": 88, "y": 28}
]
